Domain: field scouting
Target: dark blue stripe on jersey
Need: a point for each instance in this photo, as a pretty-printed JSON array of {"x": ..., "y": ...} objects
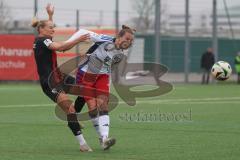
[
  {"x": 107, "y": 38},
  {"x": 94, "y": 47}
]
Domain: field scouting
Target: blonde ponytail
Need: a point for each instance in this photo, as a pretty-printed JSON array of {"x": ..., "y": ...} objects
[
  {"x": 38, "y": 23},
  {"x": 34, "y": 22}
]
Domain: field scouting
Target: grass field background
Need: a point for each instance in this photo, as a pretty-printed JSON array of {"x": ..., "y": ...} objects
[{"x": 29, "y": 129}]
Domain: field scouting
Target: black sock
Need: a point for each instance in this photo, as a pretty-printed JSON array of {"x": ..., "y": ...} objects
[
  {"x": 73, "y": 124},
  {"x": 79, "y": 103},
  {"x": 101, "y": 113}
]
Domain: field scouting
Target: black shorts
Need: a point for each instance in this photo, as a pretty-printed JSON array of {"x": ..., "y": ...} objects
[{"x": 53, "y": 91}]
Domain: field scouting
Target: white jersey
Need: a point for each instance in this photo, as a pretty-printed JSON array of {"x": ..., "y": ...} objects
[{"x": 104, "y": 55}]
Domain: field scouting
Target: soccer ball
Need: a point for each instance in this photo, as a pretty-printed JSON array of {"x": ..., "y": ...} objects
[{"x": 221, "y": 70}]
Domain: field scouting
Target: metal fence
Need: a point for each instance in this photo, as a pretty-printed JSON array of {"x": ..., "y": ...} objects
[
  {"x": 172, "y": 17},
  {"x": 202, "y": 23}
]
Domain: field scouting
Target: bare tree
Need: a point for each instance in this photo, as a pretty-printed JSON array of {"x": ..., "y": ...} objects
[
  {"x": 4, "y": 16},
  {"x": 145, "y": 14},
  {"x": 145, "y": 11}
]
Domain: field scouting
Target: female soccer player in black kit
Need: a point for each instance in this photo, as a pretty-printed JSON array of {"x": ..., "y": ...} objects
[{"x": 46, "y": 60}]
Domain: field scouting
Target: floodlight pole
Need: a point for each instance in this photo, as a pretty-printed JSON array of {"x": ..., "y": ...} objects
[
  {"x": 117, "y": 17},
  {"x": 77, "y": 28},
  {"x": 35, "y": 15},
  {"x": 35, "y": 8},
  {"x": 215, "y": 30},
  {"x": 117, "y": 75},
  {"x": 157, "y": 30},
  {"x": 187, "y": 53}
]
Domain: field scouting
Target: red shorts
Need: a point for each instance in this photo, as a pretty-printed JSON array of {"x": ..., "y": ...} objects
[{"x": 94, "y": 84}]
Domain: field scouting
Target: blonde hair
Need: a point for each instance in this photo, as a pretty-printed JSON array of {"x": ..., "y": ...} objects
[
  {"x": 38, "y": 23},
  {"x": 125, "y": 29}
]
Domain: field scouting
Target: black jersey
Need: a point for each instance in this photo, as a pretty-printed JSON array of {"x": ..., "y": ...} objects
[{"x": 45, "y": 58}]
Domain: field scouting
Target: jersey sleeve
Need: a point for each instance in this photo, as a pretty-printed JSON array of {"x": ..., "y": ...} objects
[
  {"x": 43, "y": 43},
  {"x": 47, "y": 42},
  {"x": 93, "y": 36}
]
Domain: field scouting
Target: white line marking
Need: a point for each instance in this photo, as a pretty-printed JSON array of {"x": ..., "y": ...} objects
[
  {"x": 196, "y": 99},
  {"x": 206, "y": 102},
  {"x": 20, "y": 88},
  {"x": 215, "y": 100},
  {"x": 26, "y": 105}
]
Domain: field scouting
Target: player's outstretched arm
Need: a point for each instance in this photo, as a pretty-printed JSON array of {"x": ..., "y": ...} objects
[
  {"x": 94, "y": 37},
  {"x": 66, "y": 45}
]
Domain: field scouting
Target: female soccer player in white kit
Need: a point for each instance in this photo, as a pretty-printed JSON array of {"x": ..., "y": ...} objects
[{"x": 94, "y": 75}]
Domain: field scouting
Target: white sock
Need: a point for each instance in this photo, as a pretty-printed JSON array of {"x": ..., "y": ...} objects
[
  {"x": 104, "y": 122},
  {"x": 95, "y": 122},
  {"x": 81, "y": 139}
]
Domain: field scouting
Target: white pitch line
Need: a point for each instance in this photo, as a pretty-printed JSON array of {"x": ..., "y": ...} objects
[
  {"x": 26, "y": 105},
  {"x": 206, "y": 102},
  {"x": 196, "y": 99},
  {"x": 18, "y": 88},
  {"x": 215, "y": 100}
]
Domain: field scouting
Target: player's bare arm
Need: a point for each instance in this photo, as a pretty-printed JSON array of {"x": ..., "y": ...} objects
[{"x": 66, "y": 45}]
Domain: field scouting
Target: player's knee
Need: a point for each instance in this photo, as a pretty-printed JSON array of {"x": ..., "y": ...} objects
[
  {"x": 91, "y": 104},
  {"x": 67, "y": 106},
  {"x": 102, "y": 100},
  {"x": 61, "y": 97},
  {"x": 63, "y": 100}
]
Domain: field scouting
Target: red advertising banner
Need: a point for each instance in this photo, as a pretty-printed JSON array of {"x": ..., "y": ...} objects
[{"x": 17, "y": 58}]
